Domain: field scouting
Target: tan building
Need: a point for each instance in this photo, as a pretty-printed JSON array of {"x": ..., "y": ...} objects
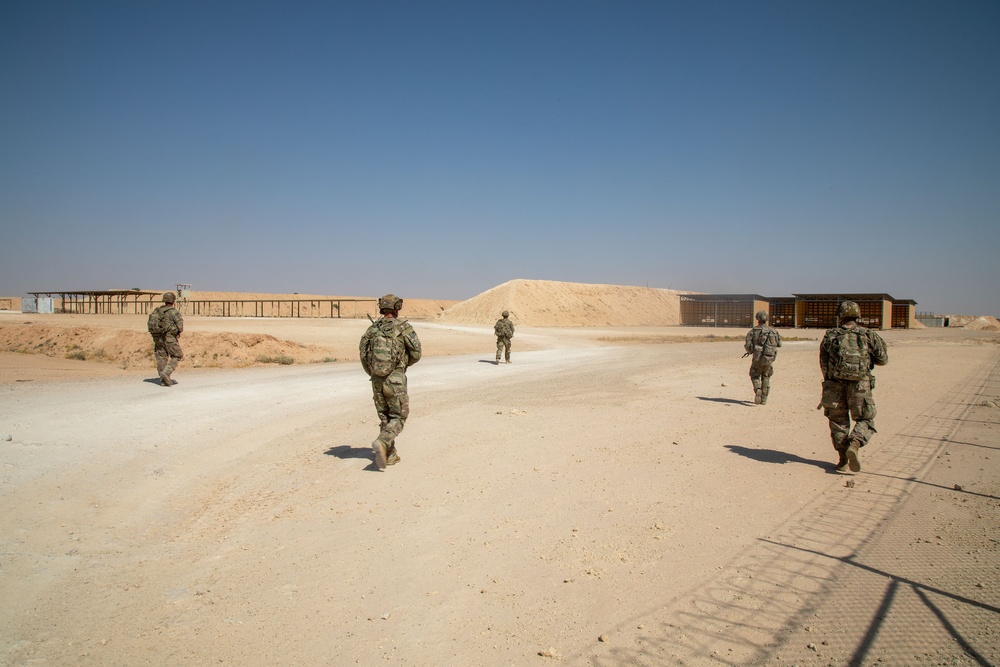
[
  {"x": 820, "y": 310},
  {"x": 878, "y": 310},
  {"x": 10, "y": 303},
  {"x": 721, "y": 310}
]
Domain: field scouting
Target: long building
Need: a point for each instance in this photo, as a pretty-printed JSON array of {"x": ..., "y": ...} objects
[{"x": 878, "y": 310}]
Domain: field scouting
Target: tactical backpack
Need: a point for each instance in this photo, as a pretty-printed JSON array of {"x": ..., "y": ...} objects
[
  {"x": 158, "y": 322},
  {"x": 764, "y": 348},
  {"x": 385, "y": 348},
  {"x": 849, "y": 356},
  {"x": 504, "y": 328}
]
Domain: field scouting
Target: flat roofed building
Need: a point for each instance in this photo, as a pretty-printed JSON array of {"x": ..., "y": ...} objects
[
  {"x": 904, "y": 313},
  {"x": 721, "y": 310},
  {"x": 142, "y": 302},
  {"x": 782, "y": 311},
  {"x": 115, "y": 301},
  {"x": 820, "y": 310},
  {"x": 878, "y": 310}
]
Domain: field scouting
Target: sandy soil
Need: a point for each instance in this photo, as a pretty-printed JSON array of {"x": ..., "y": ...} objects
[
  {"x": 548, "y": 303},
  {"x": 613, "y": 497},
  {"x": 121, "y": 341}
]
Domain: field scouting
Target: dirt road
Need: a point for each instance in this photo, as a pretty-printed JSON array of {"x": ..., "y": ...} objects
[{"x": 589, "y": 504}]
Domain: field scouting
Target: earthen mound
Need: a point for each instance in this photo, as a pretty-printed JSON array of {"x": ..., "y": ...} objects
[
  {"x": 984, "y": 323},
  {"x": 547, "y": 303},
  {"x": 134, "y": 349}
]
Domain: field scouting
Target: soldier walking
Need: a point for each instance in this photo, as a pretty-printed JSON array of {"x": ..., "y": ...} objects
[
  {"x": 165, "y": 325},
  {"x": 762, "y": 342},
  {"x": 388, "y": 348},
  {"x": 504, "y": 331},
  {"x": 846, "y": 356}
]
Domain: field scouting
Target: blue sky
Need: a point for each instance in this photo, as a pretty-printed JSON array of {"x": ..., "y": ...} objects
[{"x": 438, "y": 149}]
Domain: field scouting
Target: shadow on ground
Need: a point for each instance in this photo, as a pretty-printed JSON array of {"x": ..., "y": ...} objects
[
  {"x": 348, "y": 452},
  {"x": 775, "y": 456},
  {"x": 731, "y": 401}
]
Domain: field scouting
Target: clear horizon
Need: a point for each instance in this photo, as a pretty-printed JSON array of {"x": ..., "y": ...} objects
[
  {"x": 437, "y": 150},
  {"x": 432, "y": 298}
]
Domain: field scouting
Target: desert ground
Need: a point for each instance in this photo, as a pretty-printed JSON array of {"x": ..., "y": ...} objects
[{"x": 612, "y": 497}]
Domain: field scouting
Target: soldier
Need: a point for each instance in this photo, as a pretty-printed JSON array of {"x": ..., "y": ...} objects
[
  {"x": 504, "y": 330},
  {"x": 388, "y": 348},
  {"x": 846, "y": 357},
  {"x": 762, "y": 342},
  {"x": 165, "y": 324}
]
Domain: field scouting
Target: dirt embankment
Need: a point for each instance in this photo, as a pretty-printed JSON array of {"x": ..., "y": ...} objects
[
  {"x": 122, "y": 340},
  {"x": 546, "y": 303},
  {"x": 127, "y": 348},
  {"x": 983, "y": 323}
]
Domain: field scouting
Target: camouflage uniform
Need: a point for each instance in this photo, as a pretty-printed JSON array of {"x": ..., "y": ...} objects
[
  {"x": 844, "y": 400},
  {"x": 392, "y": 403},
  {"x": 166, "y": 348},
  {"x": 762, "y": 342},
  {"x": 504, "y": 331}
]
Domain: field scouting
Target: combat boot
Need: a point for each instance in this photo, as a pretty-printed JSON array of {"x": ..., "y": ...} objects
[
  {"x": 391, "y": 455},
  {"x": 758, "y": 397},
  {"x": 852, "y": 456},
  {"x": 380, "y": 453},
  {"x": 842, "y": 461},
  {"x": 763, "y": 397}
]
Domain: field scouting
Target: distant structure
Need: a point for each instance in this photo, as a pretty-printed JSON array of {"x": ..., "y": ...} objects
[
  {"x": 11, "y": 303},
  {"x": 116, "y": 301},
  {"x": 721, "y": 310},
  {"x": 878, "y": 310},
  {"x": 142, "y": 302},
  {"x": 933, "y": 320},
  {"x": 944, "y": 320}
]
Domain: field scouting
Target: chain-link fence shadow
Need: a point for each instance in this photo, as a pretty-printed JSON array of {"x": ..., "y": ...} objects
[{"x": 892, "y": 568}]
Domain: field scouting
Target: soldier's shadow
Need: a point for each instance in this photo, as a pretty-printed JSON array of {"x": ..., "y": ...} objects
[
  {"x": 490, "y": 362},
  {"x": 775, "y": 456},
  {"x": 730, "y": 401},
  {"x": 348, "y": 452}
]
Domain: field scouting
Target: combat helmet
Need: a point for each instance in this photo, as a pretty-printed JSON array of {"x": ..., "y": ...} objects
[
  {"x": 505, "y": 313},
  {"x": 761, "y": 316},
  {"x": 848, "y": 310},
  {"x": 390, "y": 302},
  {"x": 169, "y": 297}
]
